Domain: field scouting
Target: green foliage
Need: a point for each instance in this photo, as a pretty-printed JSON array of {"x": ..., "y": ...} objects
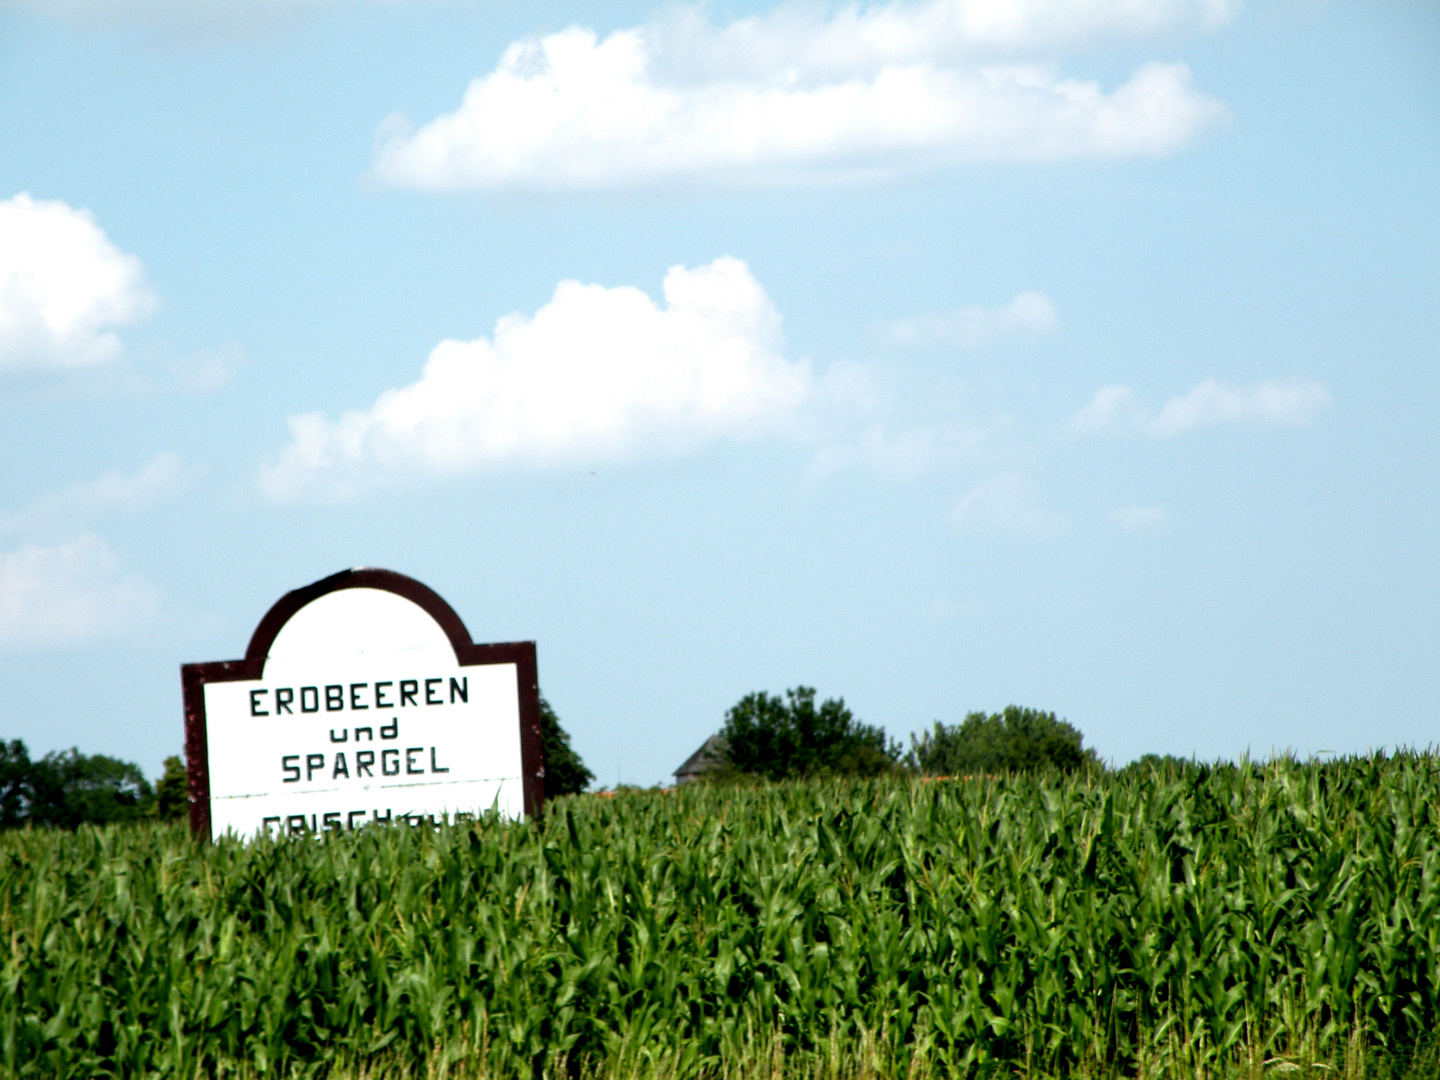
[
  {"x": 565, "y": 773},
  {"x": 1016, "y": 740},
  {"x": 779, "y": 739},
  {"x": 172, "y": 792},
  {"x": 15, "y": 769},
  {"x": 69, "y": 789},
  {"x": 1167, "y": 766},
  {"x": 1074, "y": 925}
]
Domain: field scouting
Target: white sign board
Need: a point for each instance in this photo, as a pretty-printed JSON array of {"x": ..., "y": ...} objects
[{"x": 361, "y": 700}]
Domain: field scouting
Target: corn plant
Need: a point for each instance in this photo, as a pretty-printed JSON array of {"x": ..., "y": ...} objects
[{"x": 1196, "y": 920}]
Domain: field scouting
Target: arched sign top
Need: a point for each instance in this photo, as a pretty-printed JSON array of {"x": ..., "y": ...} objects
[
  {"x": 299, "y": 604},
  {"x": 361, "y": 698}
]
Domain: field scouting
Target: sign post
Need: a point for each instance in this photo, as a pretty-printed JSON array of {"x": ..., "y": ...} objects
[{"x": 361, "y": 699}]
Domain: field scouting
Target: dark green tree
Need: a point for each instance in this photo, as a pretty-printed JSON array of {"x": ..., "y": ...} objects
[
  {"x": 1166, "y": 766},
  {"x": 72, "y": 789},
  {"x": 172, "y": 791},
  {"x": 15, "y": 769},
  {"x": 1016, "y": 740},
  {"x": 565, "y": 773},
  {"x": 69, "y": 789},
  {"x": 779, "y": 738}
]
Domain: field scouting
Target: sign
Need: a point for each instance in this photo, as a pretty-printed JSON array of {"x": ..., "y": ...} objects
[{"x": 361, "y": 699}]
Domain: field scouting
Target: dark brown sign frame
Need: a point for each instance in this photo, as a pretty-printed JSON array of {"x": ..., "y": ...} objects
[{"x": 195, "y": 677}]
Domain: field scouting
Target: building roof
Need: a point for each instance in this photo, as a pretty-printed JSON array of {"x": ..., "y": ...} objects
[{"x": 710, "y": 754}]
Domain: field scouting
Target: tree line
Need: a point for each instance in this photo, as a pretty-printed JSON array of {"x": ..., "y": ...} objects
[
  {"x": 769, "y": 737},
  {"x": 764, "y": 737},
  {"x": 66, "y": 789}
]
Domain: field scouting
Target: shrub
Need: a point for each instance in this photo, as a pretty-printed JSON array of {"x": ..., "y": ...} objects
[{"x": 1016, "y": 740}]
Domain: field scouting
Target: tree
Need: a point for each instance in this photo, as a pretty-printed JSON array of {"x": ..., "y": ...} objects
[
  {"x": 72, "y": 789},
  {"x": 1016, "y": 740},
  {"x": 777, "y": 739},
  {"x": 565, "y": 773},
  {"x": 69, "y": 789},
  {"x": 172, "y": 791},
  {"x": 1165, "y": 766},
  {"x": 15, "y": 768}
]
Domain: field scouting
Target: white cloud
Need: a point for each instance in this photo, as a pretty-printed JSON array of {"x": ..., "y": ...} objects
[
  {"x": 69, "y": 594},
  {"x": 64, "y": 287},
  {"x": 1113, "y": 408},
  {"x": 597, "y": 373},
  {"x": 792, "y": 31},
  {"x": 896, "y": 453},
  {"x": 813, "y": 39},
  {"x": 802, "y": 96},
  {"x": 1139, "y": 519},
  {"x": 210, "y": 370},
  {"x": 1007, "y": 504},
  {"x": 1030, "y": 314},
  {"x": 162, "y": 477},
  {"x": 174, "y": 19},
  {"x": 861, "y": 415},
  {"x": 1272, "y": 403},
  {"x": 942, "y": 609}
]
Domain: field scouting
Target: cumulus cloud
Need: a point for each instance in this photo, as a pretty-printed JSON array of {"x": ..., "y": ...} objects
[
  {"x": 596, "y": 373},
  {"x": 1007, "y": 504},
  {"x": 860, "y": 417},
  {"x": 895, "y": 30},
  {"x": 1113, "y": 408},
  {"x": 810, "y": 38},
  {"x": 64, "y": 287},
  {"x": 902, "y": 453},
  {"x": 71, "y": 593},
  {"x": 802, "y": 95},
  {"x": 1139, "y": 519},
  {"x": 162, "y": 477},
  {"x": 1272, "y": 403},
  {"x": 210, "y": 370},
  {"x": 174, "y": 19},
  {"x": 1030, "y": 314}
]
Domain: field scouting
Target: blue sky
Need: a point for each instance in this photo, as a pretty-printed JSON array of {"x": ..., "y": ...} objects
[{"x": 939, "y": 354}]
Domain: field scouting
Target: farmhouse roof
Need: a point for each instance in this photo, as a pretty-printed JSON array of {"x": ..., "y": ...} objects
[{"x": 710, "y": 754}]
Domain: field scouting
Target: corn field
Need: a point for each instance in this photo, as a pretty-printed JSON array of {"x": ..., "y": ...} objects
[{"x": 1197, "y": 921}]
